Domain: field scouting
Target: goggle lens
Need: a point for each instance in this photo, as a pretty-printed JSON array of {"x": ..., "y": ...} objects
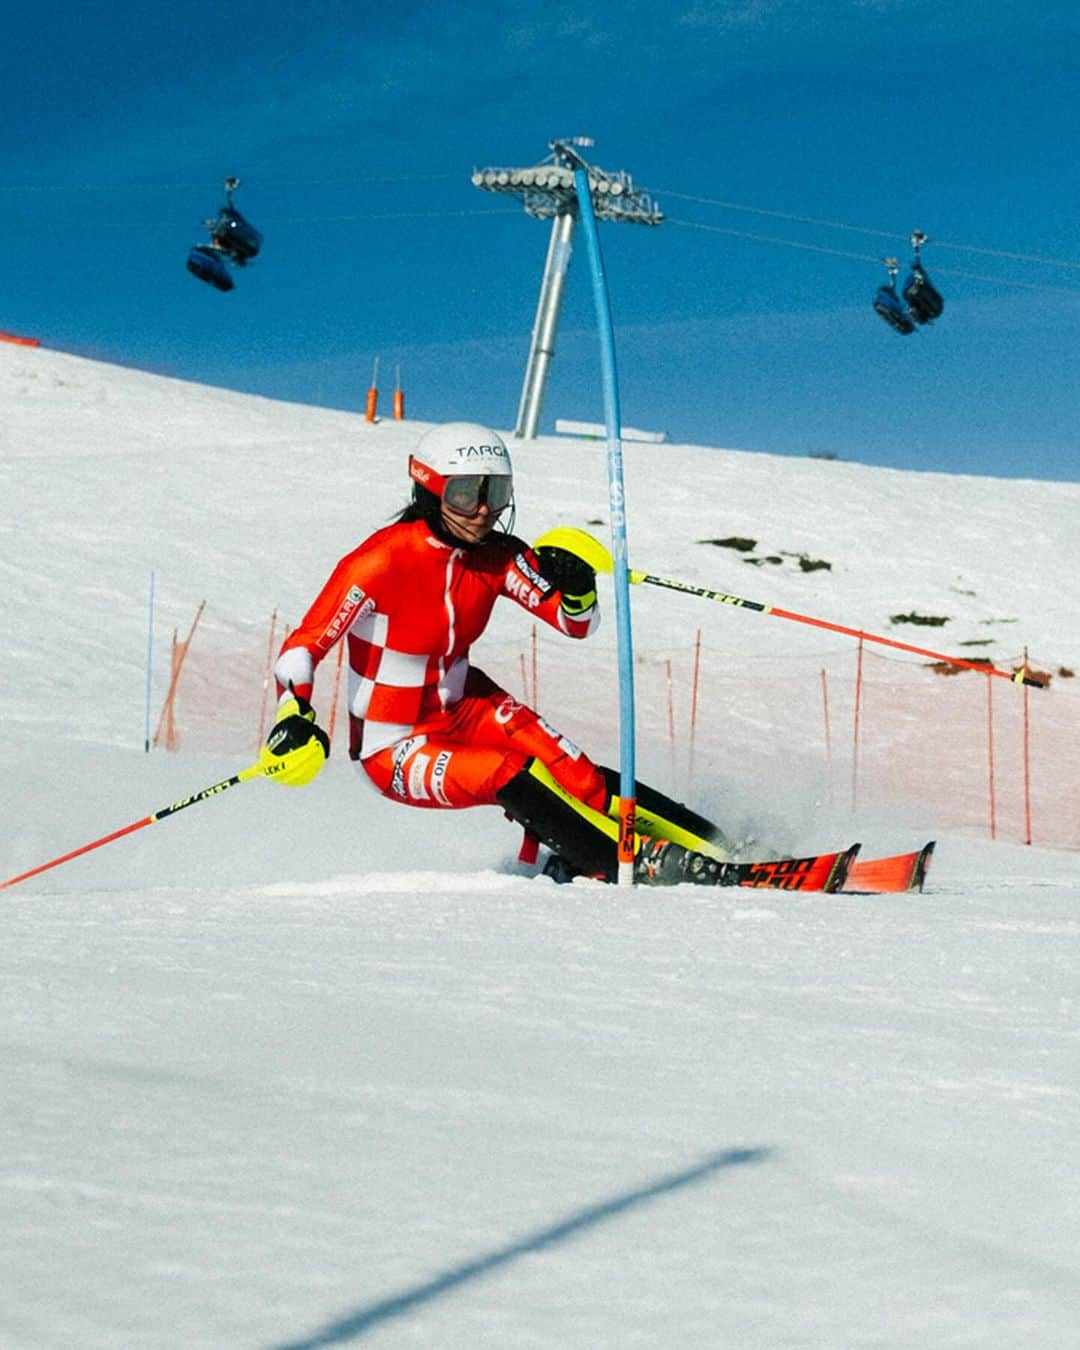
[{"x": 466, "y": 492}]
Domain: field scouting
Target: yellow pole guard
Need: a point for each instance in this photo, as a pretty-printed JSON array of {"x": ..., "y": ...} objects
[{"x": 582, "y": 545}]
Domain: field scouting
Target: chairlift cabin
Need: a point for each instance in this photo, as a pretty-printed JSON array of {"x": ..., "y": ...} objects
[
  {"x": 235, "y": 236},
  {"x": 233, "y": 239},
  {"x": 889, "y": 305},
  {"x": 921, "y": 303},
  {"x": 923, "y": 299},
  {"x": 207, "y": 263}
]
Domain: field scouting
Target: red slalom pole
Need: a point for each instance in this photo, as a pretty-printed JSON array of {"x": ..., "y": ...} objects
[{"x": 253, "y": 771}]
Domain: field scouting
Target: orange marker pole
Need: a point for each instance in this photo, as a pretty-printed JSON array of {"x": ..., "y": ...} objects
[{"x": 373, "y": 394}]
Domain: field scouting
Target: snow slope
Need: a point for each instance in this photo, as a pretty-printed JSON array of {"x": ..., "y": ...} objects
[{"x": 299, "y": 1069}]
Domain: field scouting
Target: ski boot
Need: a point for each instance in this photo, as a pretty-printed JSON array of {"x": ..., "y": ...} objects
[
  {"x": 658, "y": 863},
  {"x": 559, "y": 870},
  {"x": 662, "y": 863}
]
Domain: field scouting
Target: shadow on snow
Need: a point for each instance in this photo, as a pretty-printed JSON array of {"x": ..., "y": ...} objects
[{"x": 356, "y": 1324}]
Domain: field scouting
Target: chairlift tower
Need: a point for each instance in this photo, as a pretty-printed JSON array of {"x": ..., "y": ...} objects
[{"x": 547, "y": 192}]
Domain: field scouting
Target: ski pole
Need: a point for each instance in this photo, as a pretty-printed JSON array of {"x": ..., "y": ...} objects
[
  {"x": 253, "y": 771},
  {"x": 596, "y": 555}
]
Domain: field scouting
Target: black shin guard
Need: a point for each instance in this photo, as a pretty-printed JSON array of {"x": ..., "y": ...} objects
[
  {"x": 585, "y": 848},
  {"x": 555, "y": 823}
]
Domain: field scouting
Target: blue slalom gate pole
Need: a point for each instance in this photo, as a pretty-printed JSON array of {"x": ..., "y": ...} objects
[{"x": 619, "y": 550}]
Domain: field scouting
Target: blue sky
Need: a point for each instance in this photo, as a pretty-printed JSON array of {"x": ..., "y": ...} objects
[{"x": 739, "y": 322}]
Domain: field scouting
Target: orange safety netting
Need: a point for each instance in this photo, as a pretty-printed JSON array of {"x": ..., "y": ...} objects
[{"x": 842, "y": 729}]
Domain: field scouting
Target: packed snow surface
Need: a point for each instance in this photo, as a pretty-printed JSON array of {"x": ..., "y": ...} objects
[{"x": 306, "y": 1068}]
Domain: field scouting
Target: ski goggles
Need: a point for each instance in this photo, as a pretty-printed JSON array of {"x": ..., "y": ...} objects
[{"x": 466, "y": 493}]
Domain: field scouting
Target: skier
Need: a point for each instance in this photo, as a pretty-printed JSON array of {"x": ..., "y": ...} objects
[{"x": 429, "y": 728}]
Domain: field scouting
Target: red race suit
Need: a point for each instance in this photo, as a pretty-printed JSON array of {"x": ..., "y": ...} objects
[{"x": 429, "y": 729}]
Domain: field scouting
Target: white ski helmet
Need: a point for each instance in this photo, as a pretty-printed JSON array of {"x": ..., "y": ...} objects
[{"x": 463, "y": 463}]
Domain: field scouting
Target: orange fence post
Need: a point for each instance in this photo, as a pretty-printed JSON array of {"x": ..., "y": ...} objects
[
  {"x": 399, "y": 396},
  {"x": 825, "y": 708},
  {"x": 337, "y": 686},
  {"x": 992, "y": 784},
  {"x": 670, "y": 716},
  {"x": 1027, "y": 758},
  {"x": 175, "y": 661},
  {"x": 693, "y": 705},
  {"x": 267, "y": 671},
  {"x": 180, "y": 650},
  {"x": 855, "y": 739}
]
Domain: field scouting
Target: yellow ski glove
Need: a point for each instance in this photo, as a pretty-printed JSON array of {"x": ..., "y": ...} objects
[
  {"x": 296, "y": 748},
  {"x": 569, "y": 574}
]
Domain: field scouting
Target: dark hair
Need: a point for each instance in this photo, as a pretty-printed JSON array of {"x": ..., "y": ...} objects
[
  {"x": 427, "y": 507},
  {"x": 422, "y": 505}
]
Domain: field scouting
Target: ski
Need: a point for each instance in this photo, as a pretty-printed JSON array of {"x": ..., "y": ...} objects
[
  {"x": 902, "y": 872},
  {"x": 826, "y": 872},
  {"x": 660, "y": 817}
]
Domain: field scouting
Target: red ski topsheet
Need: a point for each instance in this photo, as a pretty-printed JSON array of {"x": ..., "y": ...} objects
[
  {"x": 822, "y": 872},
  {"x": 902, "y": 872}
]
